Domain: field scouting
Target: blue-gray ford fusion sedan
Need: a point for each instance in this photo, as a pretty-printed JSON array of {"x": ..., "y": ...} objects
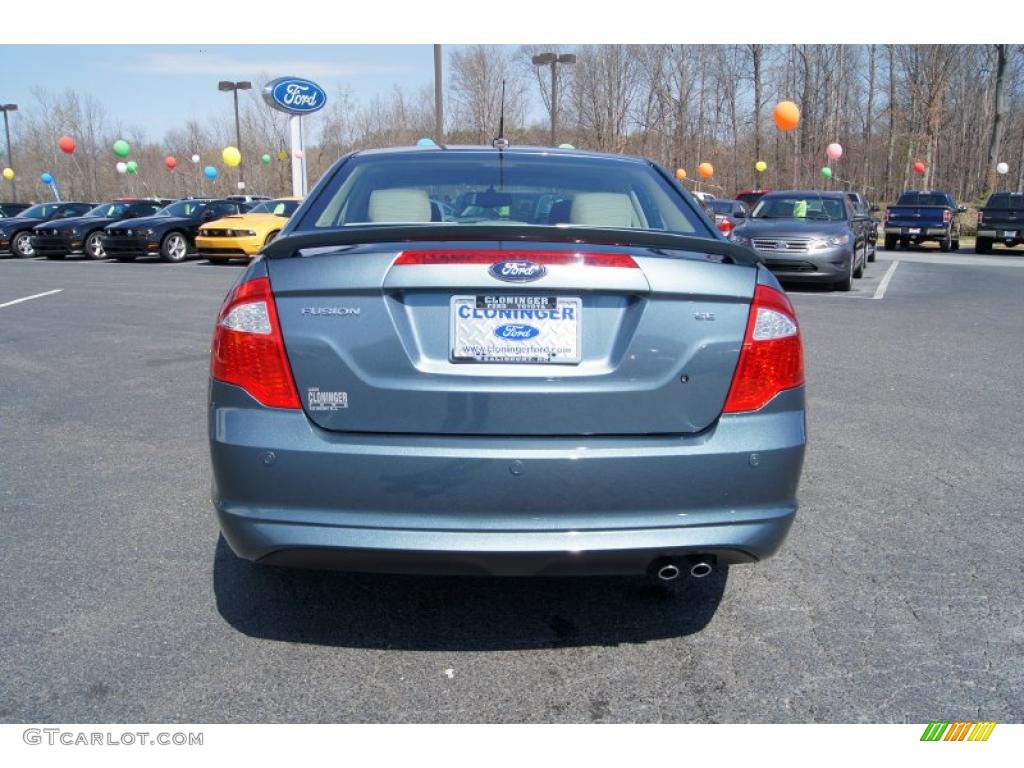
[{"x": 505, "y": 361}]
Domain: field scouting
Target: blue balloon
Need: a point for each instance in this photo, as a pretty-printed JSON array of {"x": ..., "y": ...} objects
[
  {"x": 46, "y": 178},
  {"x": 426, "y": 143},
  {"x": 211, "y": 172}
]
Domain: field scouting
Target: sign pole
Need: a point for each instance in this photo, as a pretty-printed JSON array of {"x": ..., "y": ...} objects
[{"x": 298, "y": 158}]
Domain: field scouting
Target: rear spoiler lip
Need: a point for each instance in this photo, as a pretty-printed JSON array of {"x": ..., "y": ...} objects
[{"x": 290, "y": 244}]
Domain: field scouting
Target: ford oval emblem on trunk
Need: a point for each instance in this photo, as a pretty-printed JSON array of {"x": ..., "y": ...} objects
[{"x": 518, "y": 271}]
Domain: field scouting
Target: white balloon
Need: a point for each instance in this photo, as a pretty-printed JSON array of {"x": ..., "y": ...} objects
[
  {"x": 195, "y": 158},
  {"x": 241, "y": 185},
  {"x": 1002, "y": 169},
  {"x": 122, "y": 167}
]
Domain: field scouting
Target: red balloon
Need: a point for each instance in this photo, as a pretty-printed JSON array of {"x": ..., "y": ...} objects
[
  {"x": 919, "y": 167},
  {"x": 66, "y": 144},
  {"x": 170, "y": 162}
]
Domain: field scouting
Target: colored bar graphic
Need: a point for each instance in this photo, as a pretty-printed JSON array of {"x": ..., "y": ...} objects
[
  {"x": 958, "y": 730},
  {"x": 935, "y": 730}
]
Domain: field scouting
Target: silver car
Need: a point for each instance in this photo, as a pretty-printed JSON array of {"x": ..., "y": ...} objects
[
  {"x": 572, "y": 373},
  {"x": 807, "y": 237}
]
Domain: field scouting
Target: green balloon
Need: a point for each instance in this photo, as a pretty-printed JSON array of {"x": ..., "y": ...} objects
[
  {"x": 121, "y": 148},
  {"x": 826, "y": 172},
  {"x": 133, "y": 167},
  {"x": 265, "y": 159}
]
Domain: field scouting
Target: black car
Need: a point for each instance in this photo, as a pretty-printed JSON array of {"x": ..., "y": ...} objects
[
  {"x": 170, "y": 233},
  {"x": 1000, "y": 221},
  {"x": 12, "y": 209},
  {"x": 864, "y": 221},
  {"x": 84, "y": 234},
  {"x": 16, "y": 232}
]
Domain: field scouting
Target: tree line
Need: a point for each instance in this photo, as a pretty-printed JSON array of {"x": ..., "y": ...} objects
[{"x": 959, "y": 109}]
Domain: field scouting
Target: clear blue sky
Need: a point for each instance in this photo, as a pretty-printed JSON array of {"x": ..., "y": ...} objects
[{"x": 157, "y": 87}]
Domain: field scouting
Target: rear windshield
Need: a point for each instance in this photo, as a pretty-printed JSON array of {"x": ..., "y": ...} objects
[
  {"x": 922, "y": 198},
  {"x": 493, "y": 188},
  {"x": 796, "y": 206},
  {"x": 722, "y": 206},
  {"x": 184, "y": 208},
  {"x": 1006, "y": 201},
  {"x": 42, "y": 211}
]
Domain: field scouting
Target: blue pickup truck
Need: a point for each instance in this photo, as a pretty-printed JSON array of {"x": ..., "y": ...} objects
[
  {"x": 1000, "y": 221},
  {"x": 921, "y": 217}
]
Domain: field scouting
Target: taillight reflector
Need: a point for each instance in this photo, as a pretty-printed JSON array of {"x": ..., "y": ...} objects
[
  {"x": 771, "y": 359},
  {"x": 548, "y": 258},
  {"x": 248, "y": 349}
]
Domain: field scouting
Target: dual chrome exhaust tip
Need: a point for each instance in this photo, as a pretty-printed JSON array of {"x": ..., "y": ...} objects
[{"x": 669, "y": 569}]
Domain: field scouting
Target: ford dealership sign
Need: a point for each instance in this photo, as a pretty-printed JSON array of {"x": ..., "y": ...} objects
[{"x": 294, "y": 95}]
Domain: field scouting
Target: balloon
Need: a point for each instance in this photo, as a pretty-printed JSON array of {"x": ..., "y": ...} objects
[
  {"x": 706, "y": 170},
  {"x": 8, "y": 174},
  {"x": 122, "y": 167},
  {"x": 46, "y": 178},
  {"x": 826, "y": 172},
  {"x": 66, "y": 144},
  {"x": 918, "y": 167},
  {"x": 132, "y": 166},
  {"x": 231, "y": 156},
  {"x": 122, "y": 148},
  {"x": 425, "y": 143},
  {"x": 834, "y": 151},
  {"x": 1002, "y": 169},
  {"x": 195, "y": 158},
  {"x": 211, "y": 172},
  {"x": 566, "y": 146},
  {"x": 282, "y": 155},
  {"x": 170, "y": 162},
  {"x": 265, "y": 159},
  {"x": 786, "y": 115},
  {"x": 298, "y": 154},
  {"x": 760, "y": 166},
  {"x": 680, "y": 173}
]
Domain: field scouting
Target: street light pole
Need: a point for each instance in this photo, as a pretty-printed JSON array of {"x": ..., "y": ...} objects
[
  {"x": 235, "y": 87},
  {"x": 5, "y": 108},
  {"x": 554, "y": 59}
]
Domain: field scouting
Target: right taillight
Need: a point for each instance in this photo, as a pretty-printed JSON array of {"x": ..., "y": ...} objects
[
  {"x": 248, "y": 349},
  {"x": 981, "y": 217},
  {"x": 771, "y": 359}
]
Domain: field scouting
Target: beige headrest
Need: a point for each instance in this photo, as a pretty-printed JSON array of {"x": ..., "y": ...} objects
[
  {"x": 399, "y": 205},
  {"x": 603, "y": 209}
]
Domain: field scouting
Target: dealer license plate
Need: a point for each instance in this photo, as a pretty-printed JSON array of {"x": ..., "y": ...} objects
[
  {"x": 1010, "y": 235},
  {"x": 914, "y": 231},
  {"x": 515, "y": 329}
]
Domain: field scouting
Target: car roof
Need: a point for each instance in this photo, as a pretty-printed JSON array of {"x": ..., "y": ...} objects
[
  {"x": 525, "y": 150},
  {"x": 807, "y": 193}
]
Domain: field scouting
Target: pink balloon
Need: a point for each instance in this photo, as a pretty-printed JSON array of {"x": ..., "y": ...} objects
[{"x": 834, "y": 151}]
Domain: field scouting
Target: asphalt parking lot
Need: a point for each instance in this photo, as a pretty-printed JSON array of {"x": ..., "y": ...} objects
[{"x": 896, "y": 598}]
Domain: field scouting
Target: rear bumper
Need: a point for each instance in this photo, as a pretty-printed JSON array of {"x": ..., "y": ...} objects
[
  {"x": 924, "y": 232},
  {"x": 998, "y": 233},
  {"x": 289, "y": 493}
]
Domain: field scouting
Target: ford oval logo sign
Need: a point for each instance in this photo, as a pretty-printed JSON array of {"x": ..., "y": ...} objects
[
  {"x": 294, "y": 95},
  {"x": 516, "y": 332},
  {"x": 518, "y": 271}
]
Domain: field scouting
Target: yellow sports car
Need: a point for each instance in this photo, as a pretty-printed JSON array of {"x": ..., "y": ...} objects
[{"x": 243, "y": 235}]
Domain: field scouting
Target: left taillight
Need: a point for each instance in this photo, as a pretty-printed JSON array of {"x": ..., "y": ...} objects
[
  {"x": 947, "y": 216},
  {"x": 248, "y": 349}
]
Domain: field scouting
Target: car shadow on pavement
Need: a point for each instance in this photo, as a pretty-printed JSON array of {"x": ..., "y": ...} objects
[{"x": 434, "y": 613}]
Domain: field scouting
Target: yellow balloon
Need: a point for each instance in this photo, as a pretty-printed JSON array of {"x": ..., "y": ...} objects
[
  {"x": 231, "y": 156},
  {"x": 680, "y": 173},
  {"x": 760, "y": 166},
  {"x": 8, "y": 174}
]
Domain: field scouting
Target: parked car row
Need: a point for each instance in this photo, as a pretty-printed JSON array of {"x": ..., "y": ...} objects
[{"x": 233, "y": 227}]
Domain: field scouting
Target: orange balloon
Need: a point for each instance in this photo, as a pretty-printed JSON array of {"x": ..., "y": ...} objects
[
  {"x": 706, "y": 170},
  {"x": 786, "y": 115},
  {"x": 680, "y": 173}
]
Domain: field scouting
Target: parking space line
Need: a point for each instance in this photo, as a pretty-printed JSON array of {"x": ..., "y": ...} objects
[
  {"x": 886, "y": 279},
  {"x": 29, "y": 298}
]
